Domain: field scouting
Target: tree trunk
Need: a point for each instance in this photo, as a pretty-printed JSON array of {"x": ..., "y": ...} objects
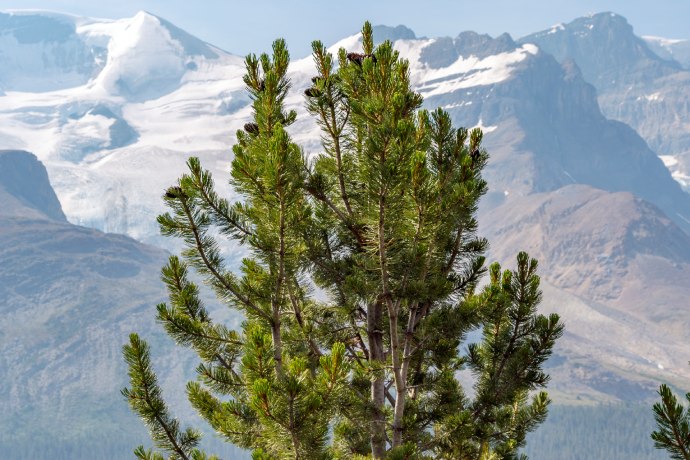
[
  {"x": 277, "y": 343},
  {"x": 376, "y": 356},
  {"x": 401, "y": 371}
]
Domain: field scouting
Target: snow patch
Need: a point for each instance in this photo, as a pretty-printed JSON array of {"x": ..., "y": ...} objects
[
  {"x": 84, "y": 135},
  {"x": 669, "y": 160},
  {"x": 456, "y": 105},
  {"x": 556, "y": 28},
  {"x": 465, "y": 72},
  {"x": 683, "y": 179},
  {"x": 142, "y": 57},
  {"x": 352, "y": 44},
  {"x": 661, "y": 41},
  {"x": 485, "y": 129}
]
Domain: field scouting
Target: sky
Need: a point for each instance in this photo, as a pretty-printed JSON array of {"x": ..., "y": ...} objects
[{"x": 250, "y": 26}]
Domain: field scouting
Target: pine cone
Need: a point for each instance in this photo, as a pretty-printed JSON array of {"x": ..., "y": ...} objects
[
  {"x": 358, "y": 58},
  {"x": 312, "y": 92},
  {"x": 175, "y": 192},
  {"x": 251, "y": 128}
]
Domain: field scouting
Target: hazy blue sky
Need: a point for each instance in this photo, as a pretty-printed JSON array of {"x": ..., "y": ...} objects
[{"x": 250, "y": 25}]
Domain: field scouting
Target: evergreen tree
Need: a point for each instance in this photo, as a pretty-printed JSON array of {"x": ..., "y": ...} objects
[
  {"x": 673, "y": 425},
  {"x": 384, "y": 223}
]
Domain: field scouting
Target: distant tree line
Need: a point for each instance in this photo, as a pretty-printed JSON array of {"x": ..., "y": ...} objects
[{"x": 600, "y": 432}]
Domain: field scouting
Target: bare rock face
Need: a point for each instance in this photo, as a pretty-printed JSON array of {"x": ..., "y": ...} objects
[
  {"x": 24, "y": 186},
  {"x": 605, "y": 48},
  {"x": 544, "y": 130}
]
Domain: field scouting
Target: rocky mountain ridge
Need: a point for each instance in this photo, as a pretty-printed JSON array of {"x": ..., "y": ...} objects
[{"x": 111, "y": 153}]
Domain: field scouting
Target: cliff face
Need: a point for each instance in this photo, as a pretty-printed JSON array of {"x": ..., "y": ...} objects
[
  {"x": 544, "y": 130},
  {"x": 25, "y": 188}
]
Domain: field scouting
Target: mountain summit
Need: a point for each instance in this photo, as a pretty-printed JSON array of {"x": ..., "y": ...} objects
[{"x": 44, "y": 51}]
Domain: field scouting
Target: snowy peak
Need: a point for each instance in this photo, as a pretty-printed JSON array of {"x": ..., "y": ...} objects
[
  {"x": 444, "y": 51},
  {"x": 192, "y": 46},
  {"x": 444, "y": 65},
  {"x": 440, "y": 67},
  {"x": 41, "y": 51},
  {"x": 142, "y": 58},
  {"x": 148, "y": 56}
]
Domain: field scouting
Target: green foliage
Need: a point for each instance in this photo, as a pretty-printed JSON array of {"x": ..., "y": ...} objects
[
  {"x": 145, "y": 399},
  {"x": 507, "y": 364},
  {"x": 383, "y": 222},
  {"x": 673, "y": 425}
]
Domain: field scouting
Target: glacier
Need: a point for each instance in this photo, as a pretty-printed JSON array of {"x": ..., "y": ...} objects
[{"x": 115, "y": 107}]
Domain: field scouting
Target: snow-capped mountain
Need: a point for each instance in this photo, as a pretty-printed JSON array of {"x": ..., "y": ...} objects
[
  {"x": 649, "y": 92},
  {"x": 545, "y": 129},
  {"x": 156, "y": 95}
]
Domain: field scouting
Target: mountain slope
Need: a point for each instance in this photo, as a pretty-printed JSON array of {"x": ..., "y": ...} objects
[
  {"x": 616, "y": 268},
  {"x": 24, "y": 187},
  {"x": 116, "y": 137},
  {"x": 543, "y": 124},
  {"x": 69, "y": 296}
]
